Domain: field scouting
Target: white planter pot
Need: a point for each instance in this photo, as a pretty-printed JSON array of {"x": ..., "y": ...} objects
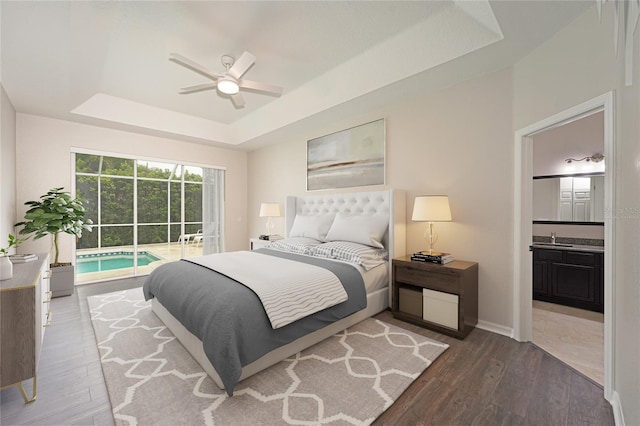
[
  {"x": 62, "y": 281},
  {"x": 6, "y": 268}
]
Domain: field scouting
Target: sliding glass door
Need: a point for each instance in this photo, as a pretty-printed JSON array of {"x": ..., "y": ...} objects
[{"x": 145, "y": 213}]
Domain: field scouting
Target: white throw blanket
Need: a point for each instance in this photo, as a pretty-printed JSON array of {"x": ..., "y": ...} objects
[{"x": 289, "y": 290}]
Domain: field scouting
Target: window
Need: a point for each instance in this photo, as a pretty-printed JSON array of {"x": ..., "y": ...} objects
[{"x": 145, "y": 213}]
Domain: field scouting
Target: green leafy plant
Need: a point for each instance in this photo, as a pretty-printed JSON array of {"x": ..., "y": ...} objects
[
  {"x": 56, "y": 212},
  {"x": 13, "y": 241}
]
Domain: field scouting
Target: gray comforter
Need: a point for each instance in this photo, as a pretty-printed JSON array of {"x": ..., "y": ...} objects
[{"x": 229, "y": 318}]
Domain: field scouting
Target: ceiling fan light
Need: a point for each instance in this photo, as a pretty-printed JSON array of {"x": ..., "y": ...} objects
[{"x": 228, "y": 86}]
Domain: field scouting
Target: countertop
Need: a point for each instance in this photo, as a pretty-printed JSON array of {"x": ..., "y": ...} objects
[{"x": 569, "y": 247}]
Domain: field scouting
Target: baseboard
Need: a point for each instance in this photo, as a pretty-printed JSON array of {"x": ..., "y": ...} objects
[
  {"x": 616, "y": 406},
  {"x": 496, "y": 328}
]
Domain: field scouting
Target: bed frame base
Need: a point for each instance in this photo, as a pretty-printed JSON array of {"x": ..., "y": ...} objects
[{"x": 377, "y": 301}]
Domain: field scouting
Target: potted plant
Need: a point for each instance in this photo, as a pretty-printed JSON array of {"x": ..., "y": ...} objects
[
  {"x": 6, "y": 267},
  {"x": 56, "y": 212}
]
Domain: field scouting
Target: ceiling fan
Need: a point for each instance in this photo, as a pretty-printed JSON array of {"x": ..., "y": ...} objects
[{"x": 229, "y": 82}]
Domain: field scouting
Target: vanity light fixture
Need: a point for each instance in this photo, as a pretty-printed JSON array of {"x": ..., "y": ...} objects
[
  {"x": 596, "y": 158},
  {"x": 431, "y": 208}
]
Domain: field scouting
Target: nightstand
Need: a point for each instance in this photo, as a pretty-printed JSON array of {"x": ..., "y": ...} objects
[
  {"x": 256, "y": 243},
  {"x": 443, "y": 298}
]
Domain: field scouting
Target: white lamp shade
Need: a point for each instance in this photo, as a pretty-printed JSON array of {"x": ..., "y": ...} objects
[
  {"x": 269, "y": 210},
  {"x": 431, "y": 208}
]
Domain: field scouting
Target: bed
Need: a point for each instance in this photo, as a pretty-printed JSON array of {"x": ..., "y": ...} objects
[{"x": 367, "y": 285}]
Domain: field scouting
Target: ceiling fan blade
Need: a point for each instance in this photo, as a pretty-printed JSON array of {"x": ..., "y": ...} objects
[
  {"x": 193, "y": 66},
  {"x": 198, "y": 88},
  {"x": 262, "y": 87},
  {"x": 238, "y": 100},
  {"x": 241, "y": 66}
]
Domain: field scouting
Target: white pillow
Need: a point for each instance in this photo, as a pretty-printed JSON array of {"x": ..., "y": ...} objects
[
  {"x": 363, "y": 229},
  {"x": 315, "y": 227}
]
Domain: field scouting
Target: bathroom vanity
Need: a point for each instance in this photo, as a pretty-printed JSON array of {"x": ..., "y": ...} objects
[{"x": 570, "y": 275}]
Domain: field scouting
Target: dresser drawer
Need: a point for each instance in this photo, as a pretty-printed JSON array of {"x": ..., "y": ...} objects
[{"x": 46, "y": 299}]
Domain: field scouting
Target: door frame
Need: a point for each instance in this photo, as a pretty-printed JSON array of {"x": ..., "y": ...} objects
[{"x": 523, "y": 223}]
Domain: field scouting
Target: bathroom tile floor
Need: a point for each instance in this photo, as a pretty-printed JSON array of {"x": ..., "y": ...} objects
[{"x": 572, "y": 335}]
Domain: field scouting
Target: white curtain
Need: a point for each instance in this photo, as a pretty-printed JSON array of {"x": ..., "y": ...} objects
[{"x": 212, "y": 210}]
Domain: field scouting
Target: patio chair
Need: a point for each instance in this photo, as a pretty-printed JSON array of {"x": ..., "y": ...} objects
[{"x": 197, "y": 238}]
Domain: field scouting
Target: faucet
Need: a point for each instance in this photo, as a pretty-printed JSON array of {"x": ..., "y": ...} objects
[{"x": 553, "y": 238}]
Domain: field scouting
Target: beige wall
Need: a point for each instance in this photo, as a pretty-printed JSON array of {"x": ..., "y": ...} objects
[
  {"x": 578, "y": 139},
  {"x": 7, "y": 168},
  {"x": 44, "y": 161},
  {"x": 578, "y": 64},
  {"x": 627, "y": 213},
  {"x": 457, "y": 142},
  {"x": 594, "y": 232}
]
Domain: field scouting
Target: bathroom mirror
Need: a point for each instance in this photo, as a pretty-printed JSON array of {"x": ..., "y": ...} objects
[{"x": 575, "y": 199}]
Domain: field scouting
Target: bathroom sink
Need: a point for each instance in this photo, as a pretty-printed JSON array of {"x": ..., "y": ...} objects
[{"x": 553, "y": 244}]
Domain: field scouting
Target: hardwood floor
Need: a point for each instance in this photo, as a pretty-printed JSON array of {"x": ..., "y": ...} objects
[
  {"x": 71, "y": 388},
  {"x": 486, "y": 379},
  {"x": 489, "y": 379}
]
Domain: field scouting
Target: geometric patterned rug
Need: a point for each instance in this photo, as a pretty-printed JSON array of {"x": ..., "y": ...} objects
[{"x": 350, "y": 378}]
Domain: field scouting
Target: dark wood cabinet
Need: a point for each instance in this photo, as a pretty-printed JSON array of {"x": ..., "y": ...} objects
[
  {"x": 443, "y": 298},
  {"x": 570, "y": 278}
]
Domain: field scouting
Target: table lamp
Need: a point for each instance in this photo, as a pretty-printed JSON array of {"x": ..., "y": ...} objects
[
  {"x": 269, "y": 210},
  {"x": 431, "y": 208}
]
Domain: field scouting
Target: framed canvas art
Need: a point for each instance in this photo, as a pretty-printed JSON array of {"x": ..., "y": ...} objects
[{"x": 348, "y": 158}]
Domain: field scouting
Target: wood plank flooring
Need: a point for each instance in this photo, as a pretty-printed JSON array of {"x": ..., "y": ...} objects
[
  {"x": 486, "y": 379},
  {"x": 489, "y": 379}
]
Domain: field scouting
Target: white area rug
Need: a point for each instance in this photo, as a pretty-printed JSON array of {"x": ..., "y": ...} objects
[{"x": 350, "y": 378}]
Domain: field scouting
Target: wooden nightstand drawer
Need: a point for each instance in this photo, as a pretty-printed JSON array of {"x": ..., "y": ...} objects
[{"x": 409, "y": 275}]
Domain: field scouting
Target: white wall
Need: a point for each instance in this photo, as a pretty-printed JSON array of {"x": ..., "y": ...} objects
[
  {"x": 458, "y": 142},
  {"x": 627, "y": 214},
  {"x": 7, "y": 168},
  {"x": 44, "y": 162},
  {"x": 578, "y": 64},
  {"x": 594, "y": 232},
  {"x": 578, "y": 139}
]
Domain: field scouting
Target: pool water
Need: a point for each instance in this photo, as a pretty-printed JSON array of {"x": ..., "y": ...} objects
[{"x": 113, "y": 260}]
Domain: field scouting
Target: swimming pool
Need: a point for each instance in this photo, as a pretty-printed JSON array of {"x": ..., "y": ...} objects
[{"x": 113, "y": 260}]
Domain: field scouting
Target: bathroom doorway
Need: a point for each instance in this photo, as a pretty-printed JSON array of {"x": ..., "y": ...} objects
[
  {"x": 523, "y": 221},
  {"x": 568, "y": 243}
]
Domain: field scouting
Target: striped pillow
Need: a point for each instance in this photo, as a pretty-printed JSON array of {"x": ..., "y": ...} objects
[
  {"x": 347, "y": 251},
  {"x": 300, "y": 245}
]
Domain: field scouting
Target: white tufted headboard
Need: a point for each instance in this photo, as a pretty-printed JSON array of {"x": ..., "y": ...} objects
[{"x": 391, "y": 202}]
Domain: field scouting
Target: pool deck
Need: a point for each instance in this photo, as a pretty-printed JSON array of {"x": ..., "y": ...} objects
[{"x": 167, "y": 252}]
